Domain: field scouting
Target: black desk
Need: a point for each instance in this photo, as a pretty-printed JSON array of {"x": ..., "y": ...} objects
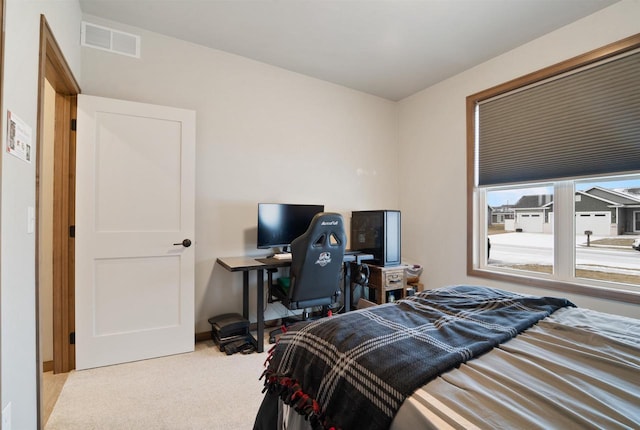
[{"x": 247, "y": 264}]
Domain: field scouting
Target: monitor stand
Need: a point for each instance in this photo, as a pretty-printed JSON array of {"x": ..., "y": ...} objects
[{"x": 285, "y": 250}]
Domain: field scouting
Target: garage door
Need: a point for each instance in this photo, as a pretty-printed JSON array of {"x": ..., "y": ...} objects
[
  {"x": 597, "y": 222},
  {"x": 530, "y": 222}
]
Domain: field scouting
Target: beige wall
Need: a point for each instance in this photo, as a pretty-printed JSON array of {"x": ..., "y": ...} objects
[
  {"x": 261, "y": 130},
  {"x": 18, "y": 294},
  {"x": 264, "y": 134},
  {"x": 432, "y": 130}
]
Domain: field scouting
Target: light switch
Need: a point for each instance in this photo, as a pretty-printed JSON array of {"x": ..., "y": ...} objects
[{"x": 6, "y": 417}]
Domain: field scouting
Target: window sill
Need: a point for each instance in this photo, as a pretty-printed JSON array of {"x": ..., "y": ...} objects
[{"x": 631, "y": 297}]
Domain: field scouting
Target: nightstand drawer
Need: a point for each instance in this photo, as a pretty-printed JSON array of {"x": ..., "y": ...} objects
[{"x": 394, "y": 279}]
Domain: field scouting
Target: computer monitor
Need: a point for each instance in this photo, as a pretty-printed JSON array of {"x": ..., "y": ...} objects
[{"x": 280, "y": 223}]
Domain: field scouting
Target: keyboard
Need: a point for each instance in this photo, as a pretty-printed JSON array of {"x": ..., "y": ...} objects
[{"x": 283, "y": 256}]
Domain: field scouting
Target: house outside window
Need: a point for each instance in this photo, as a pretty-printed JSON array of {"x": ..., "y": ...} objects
[
  {"x": 605, "y": 230},
  {"x": 556, "y": 162}
]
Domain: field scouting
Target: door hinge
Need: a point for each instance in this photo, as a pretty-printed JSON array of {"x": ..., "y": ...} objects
[
  {"x": 72, "y": 338},
  {"x": 72, "y": 231},
  {"x": 73, "y": 124}
]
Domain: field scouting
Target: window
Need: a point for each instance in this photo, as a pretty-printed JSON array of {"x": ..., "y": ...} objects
[
  {"x": 604, "y": 230},
  {"x": 554, "y": 158},
  {"x": 525, "y": 241}
]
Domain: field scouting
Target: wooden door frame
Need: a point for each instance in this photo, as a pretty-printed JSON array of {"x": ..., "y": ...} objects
[{"x": 54, "y": 69}]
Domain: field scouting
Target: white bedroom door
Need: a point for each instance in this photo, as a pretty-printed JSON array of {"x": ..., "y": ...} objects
[{"x": 135, "y": 196}]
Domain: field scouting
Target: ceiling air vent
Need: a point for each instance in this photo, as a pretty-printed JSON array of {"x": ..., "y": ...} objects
[{"x": 108, "y": 39}]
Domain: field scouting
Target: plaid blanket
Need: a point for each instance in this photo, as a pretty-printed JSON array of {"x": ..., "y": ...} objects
[{"x": 354, "y": 370}]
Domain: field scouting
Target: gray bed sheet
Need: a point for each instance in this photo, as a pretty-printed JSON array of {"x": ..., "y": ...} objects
[{"x": 576, "y": 369}]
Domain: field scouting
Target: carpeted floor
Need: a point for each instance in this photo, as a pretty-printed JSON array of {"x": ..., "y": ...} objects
[{"x": 202, "y": 390}]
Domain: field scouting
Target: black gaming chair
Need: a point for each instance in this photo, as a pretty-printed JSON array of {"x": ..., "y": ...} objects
[{"x": 316, "y": 266}]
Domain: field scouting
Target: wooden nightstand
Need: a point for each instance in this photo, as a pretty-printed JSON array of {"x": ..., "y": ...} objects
[{"x": 386, "y": 284}]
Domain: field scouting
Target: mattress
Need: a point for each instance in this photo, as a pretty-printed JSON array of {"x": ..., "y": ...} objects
[{"x": 577, "y": 368}]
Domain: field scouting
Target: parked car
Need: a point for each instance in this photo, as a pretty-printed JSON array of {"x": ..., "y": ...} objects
[{"x": 636, "y": 244}]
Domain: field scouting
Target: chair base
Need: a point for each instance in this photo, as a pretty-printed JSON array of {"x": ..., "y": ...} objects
[{"x": 286, "y": 322}]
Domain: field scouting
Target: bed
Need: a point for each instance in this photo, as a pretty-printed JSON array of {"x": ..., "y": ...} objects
[{"x": 456, "y": 357}]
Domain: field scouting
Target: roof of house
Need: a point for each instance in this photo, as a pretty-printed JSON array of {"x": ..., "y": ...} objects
[
  {"x": 621, "y": 197},
  {"x": 627, "y": 197},
  {"x": 534, "y": 201}
]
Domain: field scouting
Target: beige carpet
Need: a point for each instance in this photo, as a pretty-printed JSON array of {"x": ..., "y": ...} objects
[{"x": 205, "y": 389}]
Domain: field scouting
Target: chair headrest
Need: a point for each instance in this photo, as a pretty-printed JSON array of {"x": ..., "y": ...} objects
[
  {"x": 326, "y": 230},
  {"x": 329, "y": 221}
]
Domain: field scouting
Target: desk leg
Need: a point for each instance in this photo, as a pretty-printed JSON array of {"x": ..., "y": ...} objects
[
  {"x": 245, "y": 294},
  {"x": 347, "y": 287},
  {"x": 260, "y": 310}
]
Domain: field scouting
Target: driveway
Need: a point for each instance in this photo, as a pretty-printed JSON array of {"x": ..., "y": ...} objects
[
  {"x": 542, "y": 240},
  {"x": 537, "y": 248}
]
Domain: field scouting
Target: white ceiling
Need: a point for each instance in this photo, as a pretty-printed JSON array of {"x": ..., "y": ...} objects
[{"x": 389, "y": 48}]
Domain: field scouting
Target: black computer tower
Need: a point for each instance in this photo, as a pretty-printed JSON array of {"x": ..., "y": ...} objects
[{"x": 378, "y": 233}]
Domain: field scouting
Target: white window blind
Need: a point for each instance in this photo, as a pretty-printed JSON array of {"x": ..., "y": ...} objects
[{"x": 584, "y": 123}]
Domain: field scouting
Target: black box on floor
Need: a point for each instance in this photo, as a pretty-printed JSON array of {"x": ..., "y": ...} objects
[
  {"x": 223, "y": 342},
  {"x": 244, "y": 344},
  {"x": 228, "y": 326}
]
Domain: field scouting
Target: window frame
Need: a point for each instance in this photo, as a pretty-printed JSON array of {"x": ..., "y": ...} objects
[{"x": 563, "y": 279}]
